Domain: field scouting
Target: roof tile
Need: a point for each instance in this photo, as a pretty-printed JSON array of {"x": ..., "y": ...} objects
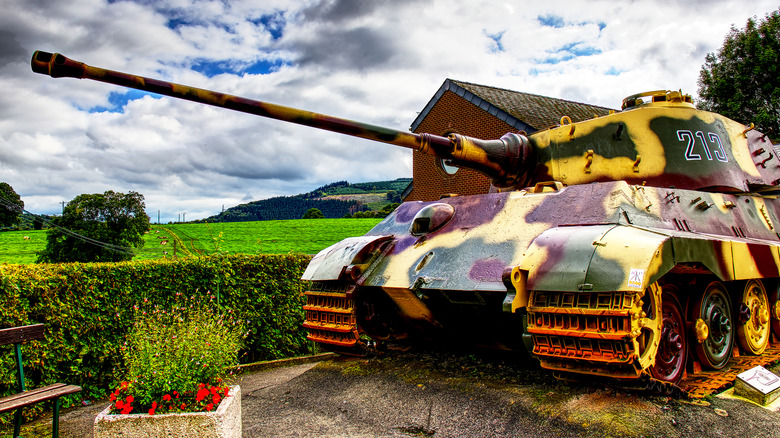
[{"x": 541, "y": 112}]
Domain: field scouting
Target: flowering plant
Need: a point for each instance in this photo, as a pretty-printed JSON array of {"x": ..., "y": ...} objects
[
  {"x": 176, "y": 359},
  {"x": 207, "y": 398}
]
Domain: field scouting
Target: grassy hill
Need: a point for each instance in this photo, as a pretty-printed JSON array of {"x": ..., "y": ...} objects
[
  {"x": 334, "y": 200},
  {"x": 187, "y": 240},
  {"x": 269, "y": 226}
]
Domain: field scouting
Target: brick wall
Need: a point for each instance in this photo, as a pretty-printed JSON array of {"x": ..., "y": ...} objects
[{"x": 452, "y": 113}]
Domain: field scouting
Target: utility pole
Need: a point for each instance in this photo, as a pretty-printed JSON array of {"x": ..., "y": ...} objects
[{"x": 63, "y": 206}]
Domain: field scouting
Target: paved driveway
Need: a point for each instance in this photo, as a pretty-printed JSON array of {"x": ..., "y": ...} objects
[{"x": 465, "y": 395}]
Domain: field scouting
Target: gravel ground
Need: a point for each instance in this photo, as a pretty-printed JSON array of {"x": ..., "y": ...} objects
[{"x": 452, "y": 395}]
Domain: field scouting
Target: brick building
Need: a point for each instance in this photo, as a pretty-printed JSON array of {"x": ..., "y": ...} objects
[{"x": 482, "y": 112}]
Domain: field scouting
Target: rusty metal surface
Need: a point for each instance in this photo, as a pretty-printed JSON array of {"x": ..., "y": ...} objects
[
  {"x": 595, "y": 333},
  {"x": 330, "y": 314},
  {"x": 705, "y": 383}
]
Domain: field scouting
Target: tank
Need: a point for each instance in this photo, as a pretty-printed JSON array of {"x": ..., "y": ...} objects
[{"x": 641, "y": 246}]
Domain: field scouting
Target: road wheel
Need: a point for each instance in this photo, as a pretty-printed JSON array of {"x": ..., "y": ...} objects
[
  {"x": 753, "y": 317},
  {"x": 672, "y": 351},
  {"x": 713, "y": 327}
]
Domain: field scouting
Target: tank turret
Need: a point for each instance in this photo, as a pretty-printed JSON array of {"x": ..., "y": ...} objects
[
  {"x": 643, "y": 245},
  {"x": 661, "y": 140}
]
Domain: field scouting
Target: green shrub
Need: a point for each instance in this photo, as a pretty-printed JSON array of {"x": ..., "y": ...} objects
[
  {"x": 88, "y": 310},
  {"x": 173, "y": 354}
]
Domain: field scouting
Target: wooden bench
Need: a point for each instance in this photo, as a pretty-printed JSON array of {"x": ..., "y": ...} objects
[{"x": 17, "y": 336}]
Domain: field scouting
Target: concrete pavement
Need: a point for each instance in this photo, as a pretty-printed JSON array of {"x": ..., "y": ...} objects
[{"x": 448, "y": 395}]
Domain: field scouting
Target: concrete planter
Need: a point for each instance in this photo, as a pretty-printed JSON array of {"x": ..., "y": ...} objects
[{"x": 224, "y": 422}]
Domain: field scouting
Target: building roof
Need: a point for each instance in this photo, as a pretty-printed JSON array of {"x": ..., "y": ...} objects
[{"x": 524, "y": 111}]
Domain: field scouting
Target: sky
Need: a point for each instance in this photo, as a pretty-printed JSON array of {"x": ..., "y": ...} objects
[{"x": 378, "y": 62}]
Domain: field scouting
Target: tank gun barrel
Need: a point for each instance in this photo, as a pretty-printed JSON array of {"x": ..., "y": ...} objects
[{"x": 503, "y": 160}]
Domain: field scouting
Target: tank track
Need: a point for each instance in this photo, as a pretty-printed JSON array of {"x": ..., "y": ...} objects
[
  {"x": 704, "y": 383},
  {"x": 330, "y": 317},
  {"x": 592, "y": 334},
  {"x": 694, "y": 386},
  {"x": 585, "y": 333}
]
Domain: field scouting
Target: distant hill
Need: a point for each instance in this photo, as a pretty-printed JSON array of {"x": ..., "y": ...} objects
[{"x": 334, "y": 200}]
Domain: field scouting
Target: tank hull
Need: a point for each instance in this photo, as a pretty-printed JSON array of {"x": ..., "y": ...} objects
[{"x": 580, "y": 275}]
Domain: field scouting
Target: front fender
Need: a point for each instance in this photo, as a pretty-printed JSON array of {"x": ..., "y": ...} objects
[
  {"x": 597, "y": 258},
  {"x": 329, "y": 264}
]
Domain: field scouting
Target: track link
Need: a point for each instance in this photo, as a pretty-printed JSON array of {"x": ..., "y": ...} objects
[
  {"x": 705, "y": 383},
  {"x": 596, "y": 334},
  {"x": 587, "y": 333},
  {"x": 330, "y": 316}
]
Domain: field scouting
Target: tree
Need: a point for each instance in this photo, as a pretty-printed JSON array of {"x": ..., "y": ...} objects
[
  {"x": 97, "y": 228},
  {"x": 740, "y": 81},
  {"x": 37, "y": 223},
  {"x": 11, "y": 205},
  {"x": 367, "y": 214},
  {"x": 387, "y": 209},
  {"x": 393, "y": 196},
  {"x": 313, "y": 213}
]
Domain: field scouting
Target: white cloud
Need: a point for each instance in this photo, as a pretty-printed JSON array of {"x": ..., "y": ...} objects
[{"x": 378, "y": 62}]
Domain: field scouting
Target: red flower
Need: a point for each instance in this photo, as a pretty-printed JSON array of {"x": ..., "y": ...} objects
[
  {"x": 127, "y": 409},
  {"x": 202, "y": 393},
  {"x": 175, "y": 394},
  {"x": 119, "y": 404},
  {"x": 113, "y": 397},
  {"x": 216, "y": 398},
  {"x": 201, "y": 385},
  {"x": 209, "y": 407},
  {"x": 227, "y": 392},
  {"x": 167, "y": 397},
  {"x": 183, "y": 406},
  {"x": 129, "y": 399}
]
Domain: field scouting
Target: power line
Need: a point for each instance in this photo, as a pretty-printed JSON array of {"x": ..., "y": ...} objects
[
  {"x": 9, "y": 204},
  {"x": 109, "y": 246}
]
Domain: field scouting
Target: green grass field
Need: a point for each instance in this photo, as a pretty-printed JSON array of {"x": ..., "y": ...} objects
[
  {"x": 265, "y": 237},
  {"x": 15, "y": 248}
]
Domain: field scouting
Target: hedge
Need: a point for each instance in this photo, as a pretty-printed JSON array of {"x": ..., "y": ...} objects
[{"x": 88, "y": 309}]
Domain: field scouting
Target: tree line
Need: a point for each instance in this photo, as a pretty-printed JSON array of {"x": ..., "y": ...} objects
[{"x": 286, "y": 207}]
